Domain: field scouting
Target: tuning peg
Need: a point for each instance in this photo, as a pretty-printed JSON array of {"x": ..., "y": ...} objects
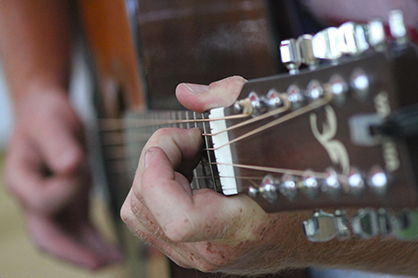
[
  {"x": 405, "y": 225},
  {"x": 327, "y": 44},
  {"x": 320, "y": 227},
  {"x": 331, "y": 185},
  {"x": 304, "y": 44},
  {"x": 365, "y": 223},
  {"x": 377, "y": 181},
  {"x": 269, "y": 189},
  {"x": 341, "y": 224},
  {"x": 397, "y": 27},
  {"x": 288, "y": 187},
  {"x": 290, "y": 55},
  {"x": 355, "y": 182},
  {"x": 310, "y": 184},
  {"x": 376, "y": 34},
  {"x": 354, "y": 36}
]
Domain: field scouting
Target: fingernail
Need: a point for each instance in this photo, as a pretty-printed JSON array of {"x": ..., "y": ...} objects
[
  {"x": 149, "y": 156},
  {"x": 196, "y": 88}
]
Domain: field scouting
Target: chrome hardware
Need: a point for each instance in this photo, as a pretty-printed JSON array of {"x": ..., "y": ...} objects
[
  {"x": 341, "y": 225},
  {"x": 376, "y": 34},
  {"x": 354, "y": 36},
  {"x": 258, "y": 103},
  {"x": 314, "y": 90},
  {"x": 274, "y": 100},
  {"x": 377, "y": 180},
  {"x": 327, "y": 44},
  {"x": 364, "y": 223},
  {"x": 295, "y": 96},
  {"x": 261, "y": 104},
  {"x": 320, "y": 227},
  {"x": 385, "y": 223},
  {"x": 253, "y": 192},
  {"x": 360, "y": 83},
  {"x": 290, "y": 55},
  {"x": 397, "y": 27},
  {"x": 331, "y": 185},
  {"x": 339, "y": 89},
  {"x": 405, "y": 225},
  {"x": 304, "y": 44},
  {"x": 269, "y": 189},
  {"x": 310, "y": 185},
  {"x": 288, "y": 187},
  {"x": 355, "y": 182}
]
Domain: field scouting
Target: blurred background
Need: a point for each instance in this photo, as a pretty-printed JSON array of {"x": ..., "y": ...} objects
[{"x": 18, "y": 256}]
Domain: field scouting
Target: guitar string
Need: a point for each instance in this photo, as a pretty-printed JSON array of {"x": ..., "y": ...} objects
[
  {"x": 287, "y": 117},
  {"x": 112, "y": 124},
  {"x": 303, "y": 110},
  {"x": 276, "y": 170},
  {"x": 112, "y": 139},
  {"x": 291, "y": 115}
]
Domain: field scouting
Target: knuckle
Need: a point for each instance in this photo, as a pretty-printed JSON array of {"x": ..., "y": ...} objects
[
  {"x": 126, "y": 214},
  {"x": 179, "y": 230},
  {"x": 163, "y": 132}
]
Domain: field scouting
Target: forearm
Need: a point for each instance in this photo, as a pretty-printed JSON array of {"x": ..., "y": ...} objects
[{"x": 35, "y": 45}]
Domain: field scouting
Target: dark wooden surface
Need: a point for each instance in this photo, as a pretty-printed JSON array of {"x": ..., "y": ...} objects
[{"x": 292, "y": 145}]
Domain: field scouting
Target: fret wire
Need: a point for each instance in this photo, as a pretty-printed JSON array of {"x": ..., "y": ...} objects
[
  {"x": 201, "y": 167},
  {"x": 195, "y": 181}
]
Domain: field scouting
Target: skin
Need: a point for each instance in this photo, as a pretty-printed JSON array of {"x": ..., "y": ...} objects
[
  {"x": 47, "y": 163},
  {"x": 210, "y": 232},
  {"x": 46, "y": 171}
]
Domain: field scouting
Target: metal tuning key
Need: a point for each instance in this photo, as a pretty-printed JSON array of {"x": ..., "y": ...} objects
[
  {"x": 327, "y": 45},
  {"x": 304, "y": 44},
  {"x": 397, "y": 27},
  {"x": 354, "y": 36},
  {"x": 341, "y": 225},
  {"x": 290, "y": 55},
  {"x": 320, "y": 227},
  {"x": 365, "y": 223},
  {"x": 405, "y": 225},
  {"x": 376, "y": 34}
]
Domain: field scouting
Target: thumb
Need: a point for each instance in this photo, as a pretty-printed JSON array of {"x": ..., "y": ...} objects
[{"x": 201, "y": 98}]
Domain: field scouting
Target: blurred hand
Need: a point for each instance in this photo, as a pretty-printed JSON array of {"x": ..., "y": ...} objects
[
  {"x": 200, "y": 229},
  {"x": 47, "y": 169}
]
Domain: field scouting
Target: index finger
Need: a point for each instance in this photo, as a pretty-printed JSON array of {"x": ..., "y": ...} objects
[{"x": 204, "y": 215}]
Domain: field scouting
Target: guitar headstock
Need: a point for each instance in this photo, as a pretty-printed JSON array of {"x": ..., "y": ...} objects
[{"x": 303, "y": 140}]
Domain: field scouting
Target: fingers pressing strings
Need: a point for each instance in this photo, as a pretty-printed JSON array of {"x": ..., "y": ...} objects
[{"x": 115, "y": 142}]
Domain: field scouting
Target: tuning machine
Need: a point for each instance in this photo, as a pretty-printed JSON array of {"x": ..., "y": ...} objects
[
  {"x": 290, "y": 55},
  {"x": 323, "y": 226},
  {"x": 397, "y": 27},
  {"x": 304, "y": 44},
  {"x": 366, "y": 223},
  {"x": 260, "y": 104}
]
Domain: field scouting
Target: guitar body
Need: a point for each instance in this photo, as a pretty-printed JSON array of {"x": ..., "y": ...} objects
[{"x": 141, "y": 50}]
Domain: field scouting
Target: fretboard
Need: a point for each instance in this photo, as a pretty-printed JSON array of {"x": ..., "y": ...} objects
[{"x": 128, "y": 136}]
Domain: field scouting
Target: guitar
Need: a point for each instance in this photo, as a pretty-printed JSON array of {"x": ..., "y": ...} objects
[
  {"x": 134, "y": 44},
  {"x": 330, "y": 136},
  {"x": 335, "y": 105}
]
